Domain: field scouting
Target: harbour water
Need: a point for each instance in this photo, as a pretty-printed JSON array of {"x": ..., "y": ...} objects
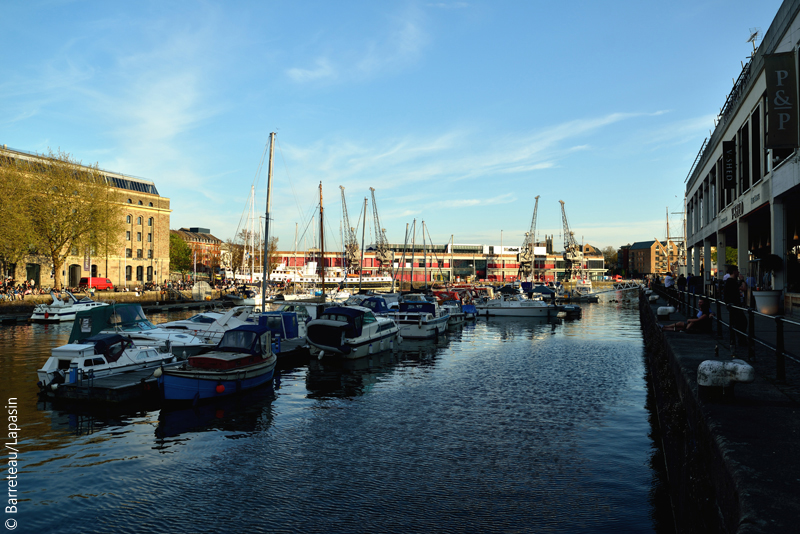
[{"x": 508, "y": 425}]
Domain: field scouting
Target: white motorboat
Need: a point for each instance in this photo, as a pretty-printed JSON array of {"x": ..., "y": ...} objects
[
  {"x": 352, "y": 332},
  {"x": 98, "y": 356},
  {"x": 63, "y": 310},
  {"x": 130, "y": 321},
  {"x": 455, "y": 311},
  {"x": 515, "y": 306},
  {"x": 210, "y": 325},
  {"x": 421, "y": 318}
]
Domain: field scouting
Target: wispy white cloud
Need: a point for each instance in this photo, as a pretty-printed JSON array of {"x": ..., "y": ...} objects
[
  {"x": 322, "y": 70},
  {"x": 397, "y": 46}
]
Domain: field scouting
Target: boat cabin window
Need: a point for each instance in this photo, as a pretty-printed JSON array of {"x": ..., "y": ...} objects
[
  {"x": 146, "y": 354},
  {"x": 64, "y": 364},
  {"x": 335, "y": 317},
  {"x": 89, "y": 362},
  {"x": 202, "y": 319},
  {"x": 369, "y": 317}
]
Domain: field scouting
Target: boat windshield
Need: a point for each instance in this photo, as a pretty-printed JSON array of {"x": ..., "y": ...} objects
[
  {"x": 200, "y": 318},
  {"x": 237, "y": 341},
  {"x": 129, "y": 319}
]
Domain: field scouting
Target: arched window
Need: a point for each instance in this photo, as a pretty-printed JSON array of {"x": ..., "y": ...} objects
[
  {"x": 130, "y": 201},
  {"x": 151, "y": 204},
  {"x": 150, "y": 221},
  {"x": 128, "y": 219},
  {"x": 139, "y": 274},
  {"x": 128, "y": 273},
  {"x": 140, "y": 202},
  {"x": 149, "y": 274},
  {"x": 139, "y": 220}
]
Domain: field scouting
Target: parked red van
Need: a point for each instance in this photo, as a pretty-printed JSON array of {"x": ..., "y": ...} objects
[{"x": 100, "y": 284}]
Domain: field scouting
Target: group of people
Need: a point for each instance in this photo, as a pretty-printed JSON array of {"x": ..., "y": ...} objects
[{"x": 11, "y": 290}]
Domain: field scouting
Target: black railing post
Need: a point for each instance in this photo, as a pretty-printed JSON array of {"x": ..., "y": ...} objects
[
  {"x": 730, "y": 324},
  {"x": 780, "y": 360},
  {"x": 719, "y": 318},
  {"x": 751, "y": 333}
]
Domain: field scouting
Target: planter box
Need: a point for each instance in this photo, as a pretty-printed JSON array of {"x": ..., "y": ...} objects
[{"x": 768, "y": 302}]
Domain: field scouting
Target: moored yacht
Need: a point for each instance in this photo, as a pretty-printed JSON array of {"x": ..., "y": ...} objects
[
  {"x": 63, "y": 310},
  {"x": 515, "y": 306},
  {"x": 420, "y": 317},
  {"x": 352, "y": 332},
  {"x": 98, "y": 356}
]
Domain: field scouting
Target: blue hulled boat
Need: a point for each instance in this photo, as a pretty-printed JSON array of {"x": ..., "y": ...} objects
[{"x": 242, "y": 360}]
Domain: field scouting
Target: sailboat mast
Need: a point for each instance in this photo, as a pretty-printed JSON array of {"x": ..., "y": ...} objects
[
  {"x": 322, "y": 241},
  {"x": 363, "y": 230},
  {"x": 424, "y": 256},
  {"x": 403, "y": 267},
  {"x": 265, "y": 278},
  {"x": 413, "y": 250}
]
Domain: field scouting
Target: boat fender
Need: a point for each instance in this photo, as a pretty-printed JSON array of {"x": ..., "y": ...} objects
[
  {"x": 653, "y": 298},
  {"x": 46, "y": 315},
  {"x": 158, "y": 372},
  {"x": 54, "y": 386},
  {"x": 321, "y": 353},
  {"x": 370, "y": 348},
  {"x": 220, "y": 388}
]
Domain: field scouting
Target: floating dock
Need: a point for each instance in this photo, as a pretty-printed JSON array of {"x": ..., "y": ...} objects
[{"x": 132, "y": 386}]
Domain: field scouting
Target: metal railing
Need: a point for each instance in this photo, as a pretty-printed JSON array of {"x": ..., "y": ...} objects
[{"x": 686, "y": 302}]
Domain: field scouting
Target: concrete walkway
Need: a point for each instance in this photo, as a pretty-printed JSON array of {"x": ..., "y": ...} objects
[{"x": 754, "y": 436}]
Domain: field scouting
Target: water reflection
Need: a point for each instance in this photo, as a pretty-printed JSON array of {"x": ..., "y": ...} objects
[
  {"x": 237, "y": 415},
  {"x": 506, "y": 424}
]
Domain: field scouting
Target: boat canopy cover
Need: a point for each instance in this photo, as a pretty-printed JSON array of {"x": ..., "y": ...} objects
[
  {"x": 94, "y": 320},
  {"x": 544, "y": 290},
  {"x": 376, "y": 304},
  {"x": 280, "y": 322},
  {"x": 351, "y": 314},
  {"x": 508, "y": 290},
  {"x": 103, "y": 343},
  {"x": 426, "y": 307},
  {"x": 245, "y": 338}
]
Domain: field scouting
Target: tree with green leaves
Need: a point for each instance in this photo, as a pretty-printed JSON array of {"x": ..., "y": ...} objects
[
  {"x": 180, "y": 254},
  {"x": 15, "y": 226},
  {"x": 731, "y": 257},
  {"x": 72, "y": 208},
  {"x": 610, "y": 257}
]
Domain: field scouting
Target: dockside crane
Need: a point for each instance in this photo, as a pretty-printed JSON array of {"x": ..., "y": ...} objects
[
  {"x": 573, "y": 254},
  {"x": 351, "y": 253},
  {"x": 525, "y": 256},
  {"x": 383, "y": 254}
]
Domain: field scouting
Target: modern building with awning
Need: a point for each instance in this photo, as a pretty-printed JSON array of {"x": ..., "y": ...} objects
[{"x": 743, "y": 190}]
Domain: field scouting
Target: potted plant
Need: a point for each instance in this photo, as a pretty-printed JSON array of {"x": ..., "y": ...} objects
[{"x": 767, "y": 299}]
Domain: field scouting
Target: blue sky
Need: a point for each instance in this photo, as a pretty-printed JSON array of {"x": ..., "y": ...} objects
[{"x": 457, "y": 113}]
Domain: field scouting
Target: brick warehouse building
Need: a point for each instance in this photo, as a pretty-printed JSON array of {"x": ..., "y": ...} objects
[{"x": 143, "y": 254}]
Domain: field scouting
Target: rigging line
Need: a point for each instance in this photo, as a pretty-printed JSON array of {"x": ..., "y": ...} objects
[
  {"x": 307, "y": 227},
  {"x": 291, "y": 182},
  {"x": 439, "y": 263}
]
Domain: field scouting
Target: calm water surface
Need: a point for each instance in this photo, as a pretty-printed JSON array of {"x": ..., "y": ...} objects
[{"x": 508, "y": 425}]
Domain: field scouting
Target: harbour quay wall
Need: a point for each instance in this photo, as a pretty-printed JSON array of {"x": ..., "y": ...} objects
[
  {"x": 732, "y": 459},
  {"x": 147, "y": 299}
]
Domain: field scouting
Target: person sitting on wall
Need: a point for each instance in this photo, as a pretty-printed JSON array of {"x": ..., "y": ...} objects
[{"x": 697, "y": 325}]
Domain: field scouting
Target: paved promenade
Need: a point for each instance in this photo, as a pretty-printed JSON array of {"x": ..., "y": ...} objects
[{"x": 753, "y": 437}]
